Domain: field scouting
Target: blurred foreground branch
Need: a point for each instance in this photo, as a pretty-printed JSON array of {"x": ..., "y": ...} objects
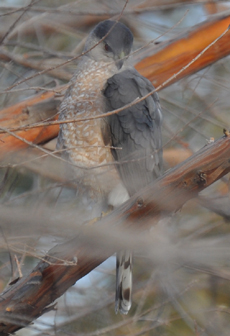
[{"x": 66, "y": 263}]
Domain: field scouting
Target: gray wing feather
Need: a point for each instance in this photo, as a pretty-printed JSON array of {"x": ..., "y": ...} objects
[{"x": 137, "y": 130}]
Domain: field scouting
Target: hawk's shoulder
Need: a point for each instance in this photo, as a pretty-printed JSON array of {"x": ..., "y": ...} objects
[{"x": 128, "y": 85}]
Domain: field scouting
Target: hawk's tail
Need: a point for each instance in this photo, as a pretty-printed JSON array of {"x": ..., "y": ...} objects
[{"x": 123, "y": 282}]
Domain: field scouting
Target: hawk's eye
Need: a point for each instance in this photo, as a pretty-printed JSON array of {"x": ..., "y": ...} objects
[{"x": 107, "y": 47}]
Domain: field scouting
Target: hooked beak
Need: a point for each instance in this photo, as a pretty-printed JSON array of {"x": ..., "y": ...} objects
[{"x": 120, "y": 61}]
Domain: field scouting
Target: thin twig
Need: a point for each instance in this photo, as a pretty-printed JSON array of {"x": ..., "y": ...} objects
[
  {"x": 25, "y": 9},
  {"x": 135, "y": 10},
  {"x": 18, "y": 266}
]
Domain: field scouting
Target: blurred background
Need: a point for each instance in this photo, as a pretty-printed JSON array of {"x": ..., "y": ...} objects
[{"x": 181, "y": 277}]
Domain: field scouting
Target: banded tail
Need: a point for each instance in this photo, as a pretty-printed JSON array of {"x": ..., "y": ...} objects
[{"x": 123, "y": 299}]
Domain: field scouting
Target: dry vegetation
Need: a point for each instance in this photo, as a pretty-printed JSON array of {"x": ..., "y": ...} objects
[{"x": 177, "y": 227}]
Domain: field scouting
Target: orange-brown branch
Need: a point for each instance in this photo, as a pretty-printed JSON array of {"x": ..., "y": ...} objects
[
  {"x": 178, "y": 53},
  {"x": 41, "y": 107}
]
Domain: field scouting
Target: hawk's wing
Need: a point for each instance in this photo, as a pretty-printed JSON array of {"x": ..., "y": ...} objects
[{"x": 136, "y": 130}]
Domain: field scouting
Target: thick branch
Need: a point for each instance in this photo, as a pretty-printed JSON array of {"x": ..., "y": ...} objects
[
  {"x": 39, "y": 108},
  {"x": 179, "y": 52},
  {"x": 29, "y": 297}
]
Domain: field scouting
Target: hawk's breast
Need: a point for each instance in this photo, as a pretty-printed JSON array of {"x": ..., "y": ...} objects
[{"x": 83, "y": 139}]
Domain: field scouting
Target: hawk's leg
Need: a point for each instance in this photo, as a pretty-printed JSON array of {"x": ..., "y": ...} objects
[{"x": 123, "y": 282}]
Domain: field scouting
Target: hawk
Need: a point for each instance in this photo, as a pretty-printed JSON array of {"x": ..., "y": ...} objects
[{"x": 123, "y": 150}]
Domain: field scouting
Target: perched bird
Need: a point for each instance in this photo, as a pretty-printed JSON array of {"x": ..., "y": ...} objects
[{"x": 131, "y": 138}]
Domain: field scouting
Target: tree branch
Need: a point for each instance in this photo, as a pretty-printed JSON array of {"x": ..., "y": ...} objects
[{"x": 179, "y": 52}]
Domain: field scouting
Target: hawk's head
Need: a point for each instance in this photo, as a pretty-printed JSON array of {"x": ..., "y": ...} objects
[{"x": 116, "y": 44}]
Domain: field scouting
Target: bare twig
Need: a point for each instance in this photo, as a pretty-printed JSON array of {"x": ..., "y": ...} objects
[
  {"x": 70, "y": 60},
  {"x": 24, "y": 10},
  {"x": 18, "y": 266}
]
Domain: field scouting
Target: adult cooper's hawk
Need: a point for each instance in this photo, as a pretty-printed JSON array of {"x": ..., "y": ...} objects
[{"x": 104, "y": 82}]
